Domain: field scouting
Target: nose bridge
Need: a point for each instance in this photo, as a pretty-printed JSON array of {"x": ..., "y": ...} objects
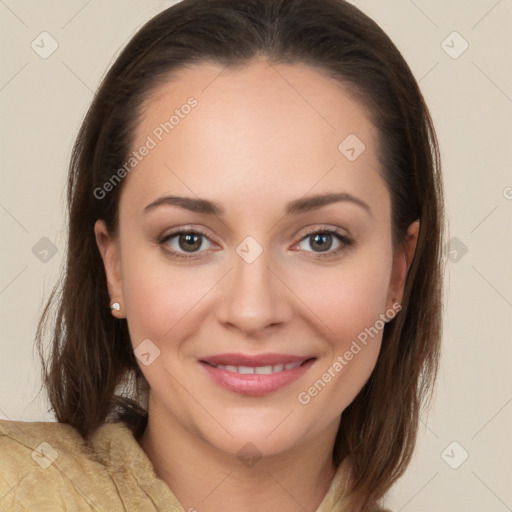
[{"x": 255, "y": 297}]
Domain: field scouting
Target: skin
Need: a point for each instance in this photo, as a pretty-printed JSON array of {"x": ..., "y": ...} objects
[{"x": 260, "y": 136}]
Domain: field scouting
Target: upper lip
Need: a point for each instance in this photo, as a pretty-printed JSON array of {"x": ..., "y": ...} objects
[{"x": 254, "y": 360}]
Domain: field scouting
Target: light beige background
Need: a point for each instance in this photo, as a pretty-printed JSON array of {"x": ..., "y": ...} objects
[{"x": 42, "y": 104}]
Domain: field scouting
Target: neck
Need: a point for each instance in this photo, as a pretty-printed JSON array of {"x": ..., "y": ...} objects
[{"x": 207, "y": 479}]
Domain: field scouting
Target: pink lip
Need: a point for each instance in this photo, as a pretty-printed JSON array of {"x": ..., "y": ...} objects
[{"x": 255, "y": 384}]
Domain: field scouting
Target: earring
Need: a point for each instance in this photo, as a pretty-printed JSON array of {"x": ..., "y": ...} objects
[{"x": 115, "y": 306}]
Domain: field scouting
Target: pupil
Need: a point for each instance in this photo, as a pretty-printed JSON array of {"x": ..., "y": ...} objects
[
  {"x": 190, "y": 241},
  {"x": 322, "y": 238}
]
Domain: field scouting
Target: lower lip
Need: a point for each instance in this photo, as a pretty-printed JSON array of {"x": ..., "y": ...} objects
[{"x": 256, "y": 384}]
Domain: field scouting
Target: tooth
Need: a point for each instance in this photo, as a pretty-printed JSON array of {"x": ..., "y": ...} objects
[
  {"x": 227, "y": 367},
  {"x": 265, "y": 370},
  {"x": 260, "y": 370}
]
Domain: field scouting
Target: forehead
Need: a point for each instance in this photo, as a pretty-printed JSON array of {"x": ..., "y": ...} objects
[{"x": 261, "y": 128}]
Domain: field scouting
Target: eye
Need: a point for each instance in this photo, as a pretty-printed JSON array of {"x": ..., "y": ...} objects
[
  {"x": 321, "y": 242},
  {"x": 179, "y": 243},
  {"x": 189, "y": 243}
]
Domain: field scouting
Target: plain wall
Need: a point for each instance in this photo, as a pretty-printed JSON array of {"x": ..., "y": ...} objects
[{"x": 43, "y": 101}]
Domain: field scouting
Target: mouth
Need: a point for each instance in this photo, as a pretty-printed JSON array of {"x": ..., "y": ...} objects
[{"x": 255, "y": 375}]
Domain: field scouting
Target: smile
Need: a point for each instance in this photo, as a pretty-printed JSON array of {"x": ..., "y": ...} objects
[
  {"x": 260, "y": 370},
  {"x": 266, "y": 374}
]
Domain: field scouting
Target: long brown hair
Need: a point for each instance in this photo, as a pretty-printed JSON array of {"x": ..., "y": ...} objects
[{"x": 90, "y": 363}]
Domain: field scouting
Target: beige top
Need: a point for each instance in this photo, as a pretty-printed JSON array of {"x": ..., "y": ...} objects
[{"x": 47, "y": 466}]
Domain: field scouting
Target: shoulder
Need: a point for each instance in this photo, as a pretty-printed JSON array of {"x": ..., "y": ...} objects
[
  {"x": 25, "y": 446},
  {"x": 18, "y": 437},
  {"x": 49, "y": 466},
  {"x": 39, "y": 460}
]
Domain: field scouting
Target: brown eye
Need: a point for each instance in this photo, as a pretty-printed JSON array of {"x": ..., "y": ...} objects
[
  {"x": 179, "y": 243},
  {"x": 321, "y": 241},
  {"x": 190, "y": 242},
  {"x": 325, "y": 243}
]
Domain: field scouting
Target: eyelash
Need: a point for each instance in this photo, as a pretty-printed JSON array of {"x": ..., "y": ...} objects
[{"x": 346, "y": 242}]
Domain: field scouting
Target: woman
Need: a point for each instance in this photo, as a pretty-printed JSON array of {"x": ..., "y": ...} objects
[{"x": 250, "y": 313}]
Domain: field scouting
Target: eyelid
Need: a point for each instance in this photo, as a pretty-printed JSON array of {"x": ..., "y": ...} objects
[
  {"x": 187, "y": 229},
  {"x": 321, "y": 228},
  {"x": 343, "y": 237}
]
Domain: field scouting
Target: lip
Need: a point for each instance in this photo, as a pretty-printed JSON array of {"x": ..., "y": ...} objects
[
  {"x": 254, "y": 360},
  {"x": 255, "y": 384}
]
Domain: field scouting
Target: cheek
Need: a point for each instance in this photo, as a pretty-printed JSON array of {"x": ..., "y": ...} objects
[
  {"x": 347, "y": 304},
  {"x": 158, "y": 296},
  {"x": 347, "y": 298}
]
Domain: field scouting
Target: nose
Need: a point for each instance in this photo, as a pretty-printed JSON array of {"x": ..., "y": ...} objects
[{"x": 254, "y": 297}]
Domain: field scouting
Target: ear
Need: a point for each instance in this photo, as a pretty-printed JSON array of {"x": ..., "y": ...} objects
[
  {"x": 402, "y": 260},
  {"x": 110, "y": 254}
]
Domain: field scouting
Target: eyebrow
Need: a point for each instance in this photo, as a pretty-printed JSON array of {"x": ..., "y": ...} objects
[{"x": 296, "y": 207}]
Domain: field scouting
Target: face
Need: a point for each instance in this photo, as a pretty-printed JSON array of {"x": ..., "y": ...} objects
[{"x": 245, "y": 300}]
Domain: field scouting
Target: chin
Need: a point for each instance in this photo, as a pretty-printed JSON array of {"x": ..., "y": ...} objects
[{"x": 263, "y": 431}]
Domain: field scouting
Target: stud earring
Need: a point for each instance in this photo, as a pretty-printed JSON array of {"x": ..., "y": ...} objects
[{"x": 115, "y": 306}]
